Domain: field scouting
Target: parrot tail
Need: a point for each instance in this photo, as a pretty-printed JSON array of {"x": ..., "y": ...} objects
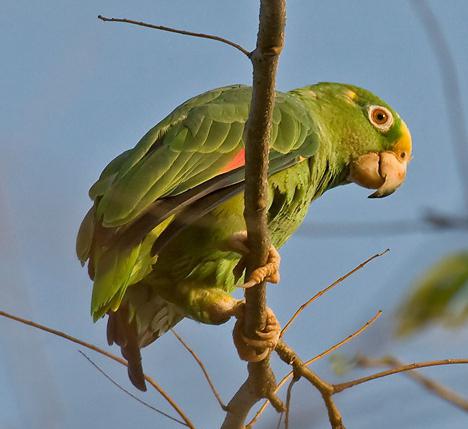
[
  {"x": 141, "y": 319},
  {"x": 124, "y": 333}
]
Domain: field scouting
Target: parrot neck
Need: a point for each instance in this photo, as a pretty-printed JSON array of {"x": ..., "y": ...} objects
[
  {"x": 329, "y": 167},
  {"x": 325, "y": 172}
]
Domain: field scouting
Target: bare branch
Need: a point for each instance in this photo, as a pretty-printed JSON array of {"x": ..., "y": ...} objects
[
  {"x": 326, "y": 389},
  {"x": 310, "y": 361},
  {"x": 103, "y": 352},
  {"x": 175, "y": 30},
  {"x": 323, "y": 291},
  {"x": 247, "y": 396},
  {"x": 123, "y": 389},
  {"x": 288, "y": 402},
  {"x": 428, "y": 383},
  {"x": 270, "y": 40},
  {"x": 280, "y": 419},
  {"x": 257, "y": 137},
  {"x": 337, "y": 388},
  {"x": 203, "y": 368}
]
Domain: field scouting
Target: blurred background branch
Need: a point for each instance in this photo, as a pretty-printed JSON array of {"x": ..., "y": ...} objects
[
  {"x": 429, "y": 223},
  {"x": 452, "y": 89}
]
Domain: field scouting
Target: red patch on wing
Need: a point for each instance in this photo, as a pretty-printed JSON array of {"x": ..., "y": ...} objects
[{"x": 236, "y": 162}]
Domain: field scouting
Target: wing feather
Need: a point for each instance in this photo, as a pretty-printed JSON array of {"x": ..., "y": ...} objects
[
  {"x": 184, "y": 159},
  {"x": 208, "y": 124},
  {"x": 217, "y": 136}
]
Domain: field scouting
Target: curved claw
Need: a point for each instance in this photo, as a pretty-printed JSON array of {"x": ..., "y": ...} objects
[
  {"x": 269, "y": 272},
  {"x": 237, "y": 242}
]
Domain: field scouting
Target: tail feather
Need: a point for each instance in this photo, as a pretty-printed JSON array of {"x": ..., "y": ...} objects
[
  {"x": 124, "y": 333},
  {"x": 135, "y": 368},
  {"x": 141, "y": 319}
]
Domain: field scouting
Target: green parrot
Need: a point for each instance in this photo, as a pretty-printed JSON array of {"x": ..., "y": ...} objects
[{"x": 164, "y": 239}]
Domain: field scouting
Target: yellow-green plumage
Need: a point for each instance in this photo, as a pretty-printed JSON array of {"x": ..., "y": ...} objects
[{"x": 162, "y": 210}]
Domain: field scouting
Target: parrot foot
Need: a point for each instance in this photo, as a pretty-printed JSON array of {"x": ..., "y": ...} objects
[
  {"x": 269, "y": 272},
  {"x": 255, "y": 349}
]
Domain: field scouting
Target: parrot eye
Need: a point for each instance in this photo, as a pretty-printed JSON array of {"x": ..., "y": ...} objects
[{"x": 380, "y": 117}]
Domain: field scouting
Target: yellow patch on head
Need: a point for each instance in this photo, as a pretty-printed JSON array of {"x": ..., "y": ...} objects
[{"x": 350, "y": 96}]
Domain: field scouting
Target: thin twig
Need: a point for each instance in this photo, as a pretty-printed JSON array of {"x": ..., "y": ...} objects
[
  {"x": 103, "y": 352},
  {"x": 323, "y": 291},
  {"x": 288, "y": 402},
  {"x": 346, "y": 340},
  {"x": 175, "y": 30},
  {"x": 428, "y": 383},
  {"x": 123, "y": 389},
  {"x": 343, "y": 386},
  {"x": 280, "y": 419},
  {"x": 312, "y": 360},
  {"x": 203, "y": 368}
]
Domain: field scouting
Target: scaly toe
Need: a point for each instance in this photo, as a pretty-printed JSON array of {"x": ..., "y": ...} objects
[
  {"x": 260, "y": 343},
  {"x": 269, "y": 272},
  {"x": 256, "y": 349},
  {"x": 237, "y": 242}
]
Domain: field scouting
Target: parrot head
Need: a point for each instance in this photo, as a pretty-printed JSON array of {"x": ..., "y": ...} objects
[
  {"x": 383, "y": 170},
  {"x": 375, "y": 141}
]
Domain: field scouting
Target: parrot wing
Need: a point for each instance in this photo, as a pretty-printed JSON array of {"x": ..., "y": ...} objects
[
  {"x": 200, "y": 140},
  {"x": 185, "y": 166}
]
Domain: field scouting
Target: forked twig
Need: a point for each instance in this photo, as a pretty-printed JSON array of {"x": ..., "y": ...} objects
[
  {"x": 123, "y": 389},
  {"x": 289, "y": 356},
  {"x": 103, "y": 352},
  {"x": 329, "y": 287},
  {"x": 175, "y": 30},
  {"x": 203, "y": 368},
  {"x": 312, "y": 360}
]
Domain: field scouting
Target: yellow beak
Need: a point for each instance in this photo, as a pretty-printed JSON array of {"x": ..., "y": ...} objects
[{"x": 384, "y": 171}]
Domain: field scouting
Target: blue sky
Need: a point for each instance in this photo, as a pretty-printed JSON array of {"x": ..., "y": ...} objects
[{"x": 76, "y": 92}]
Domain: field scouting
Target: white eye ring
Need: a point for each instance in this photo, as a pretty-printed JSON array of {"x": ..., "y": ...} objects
[{"x": 380, "y": 117}]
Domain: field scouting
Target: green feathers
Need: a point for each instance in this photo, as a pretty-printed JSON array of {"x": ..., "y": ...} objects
[
  {"x": 190, "y": 147},
  {"x": 188, "y": 167}
]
